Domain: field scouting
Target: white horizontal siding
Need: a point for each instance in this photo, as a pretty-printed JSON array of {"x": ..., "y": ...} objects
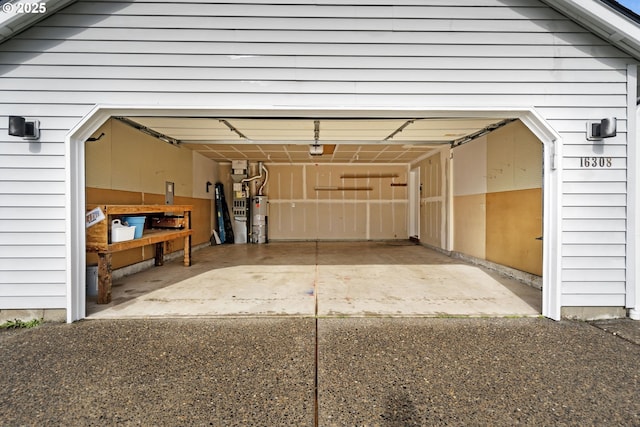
[
  {"x": 317, "y": 23},
  {"x": 31, "y": 161},
  {"x": 32, "y": 301},
  {"x": 594, "y": 299},
  {"x": 588, "y": 150},
  {"x": 470, "y": 50},
  {"x": 35, "y": 73},
  {"x": 578, "y": 288},
  {"x": 32, "y": 251},
  {"x": 595, "y": 188},
  {"x": 594, "y": 250},
  {"x": 413, "y": 54},
  {"x": 260, "y": 96},
  {"x": 593, "y": 237},
  {"x": 32, "y": 225},
  {"x": 14, "y": 148},
  {"x": 31, "y": 275},
  {"x": 434, "y": 88},
  {"x": 33, "y": 187},
  {"x": 605, "y": 200},
  {"x": 595, "y": 175},
  {"x": 560, "y": 66},
  {"x": 17, "y": 174},
  {"x": 35, "y": 200},
  {"x": 597, "y": 263},
  {"x": 33, "y": 290},
  {"x": 424, "y": 34},
  {"x": 595, "y": 225},
  {"x": 36, "y": 239},
  {"x": 398, "y": 10},
  {"x": 600, "y": 212},
  {"x": 593, "y": 275},
  {"x": 42, "y": 264},
  {"x": 39, "y": 212}
]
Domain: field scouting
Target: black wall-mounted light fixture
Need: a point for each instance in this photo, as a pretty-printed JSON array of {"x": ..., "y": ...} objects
[
  {"x": 24, "y": 128},
  {"x": 605, "y": 128},
  {"x": 209, "y": 184}
]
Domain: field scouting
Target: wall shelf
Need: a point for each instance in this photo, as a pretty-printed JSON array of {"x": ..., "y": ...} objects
[
  {"x": 365, "y": 175},
  {"x": 343, "y": 188}
]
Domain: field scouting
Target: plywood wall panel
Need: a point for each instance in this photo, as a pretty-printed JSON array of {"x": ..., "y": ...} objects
[
  {"x": 293, "y": 221},
  {"x": 431, "y": 223},
  {"x": 96, "y": 196},
  {"x": 300, "y": 212},
  {"x": 286, "y": 181},
  {"x": 514, "y": 221},
  {"x": 469, "y": 225},
  {"x": 388, "y": 221}
]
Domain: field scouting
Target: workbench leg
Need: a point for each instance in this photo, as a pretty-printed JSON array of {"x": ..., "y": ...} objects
[
  {"x": 159, "y": 254},
  {"x": 187, "y": 240},
  {"x": 187, "y": 251},
  {"x": 104, "y": 278}
]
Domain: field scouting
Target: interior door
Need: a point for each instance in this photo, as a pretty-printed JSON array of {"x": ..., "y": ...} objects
[{"x": 414, "y": 203}]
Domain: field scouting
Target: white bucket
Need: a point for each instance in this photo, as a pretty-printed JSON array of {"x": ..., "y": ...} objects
[{"x": 121, "y": 233}]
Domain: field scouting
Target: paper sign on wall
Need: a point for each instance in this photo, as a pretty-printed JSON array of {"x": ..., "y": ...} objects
[{"x": 94, "y": 216}]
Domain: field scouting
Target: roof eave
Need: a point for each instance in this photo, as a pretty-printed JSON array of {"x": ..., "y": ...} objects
[
  {"x": 603, "y": 20},
  {"x": 13, "y": 23}
]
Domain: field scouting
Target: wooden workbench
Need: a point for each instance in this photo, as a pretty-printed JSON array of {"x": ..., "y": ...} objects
[{"x": 98, "y": 238}]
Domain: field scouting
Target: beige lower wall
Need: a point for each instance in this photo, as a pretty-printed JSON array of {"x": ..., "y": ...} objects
[
  {"x": 501, "y": 227},
  {"x": 431, "y": 222},
  {"x": 514, "y": 221},
  {"x": 469, "y": 218}
]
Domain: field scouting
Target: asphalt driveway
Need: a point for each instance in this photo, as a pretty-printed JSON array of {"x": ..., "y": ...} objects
[{"x": 330, "y": 371}]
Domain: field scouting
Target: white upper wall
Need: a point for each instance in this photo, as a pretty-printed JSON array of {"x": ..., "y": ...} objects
[{"x": 470, "y": 168}]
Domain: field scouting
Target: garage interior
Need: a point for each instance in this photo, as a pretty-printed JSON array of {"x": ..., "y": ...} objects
[{"x": 348, "y": 201}]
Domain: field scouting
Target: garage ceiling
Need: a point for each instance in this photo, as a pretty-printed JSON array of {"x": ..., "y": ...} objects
[{"x": 288, "y": 140}]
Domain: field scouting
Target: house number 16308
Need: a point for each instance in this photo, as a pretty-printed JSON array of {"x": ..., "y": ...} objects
[{"x": 595, "y": 162}]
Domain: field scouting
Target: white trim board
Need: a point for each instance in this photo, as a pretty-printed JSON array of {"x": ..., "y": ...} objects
[{"x": 75, "y": 197}]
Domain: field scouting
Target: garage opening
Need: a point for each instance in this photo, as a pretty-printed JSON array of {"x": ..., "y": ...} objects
[{"x": 365, "y": 216}]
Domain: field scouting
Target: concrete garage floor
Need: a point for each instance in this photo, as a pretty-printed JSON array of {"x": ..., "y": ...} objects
[{"x": 395, "y": 278}]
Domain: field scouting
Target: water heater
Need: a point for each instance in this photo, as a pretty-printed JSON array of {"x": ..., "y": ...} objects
[{"x": 259, "y": 219}]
